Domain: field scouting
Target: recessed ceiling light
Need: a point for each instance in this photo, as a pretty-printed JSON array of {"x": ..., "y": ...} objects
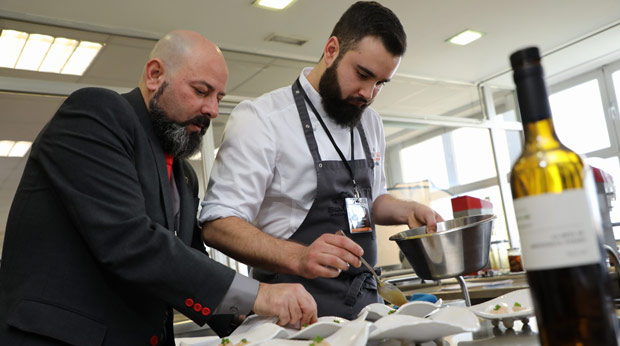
[
  {"x": 273, "y": 4},
  {"x": 465, "y": 37},
  {"x": 14, "y": 149},
  {"x": 24, "y": 51},
  {"x": 288, "y": 39}
]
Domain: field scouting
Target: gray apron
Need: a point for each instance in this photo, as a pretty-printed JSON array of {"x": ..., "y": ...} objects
[{"x": 354, "y": 288}]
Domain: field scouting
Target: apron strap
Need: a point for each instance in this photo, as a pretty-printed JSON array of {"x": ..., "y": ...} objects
[
  {"x": 357, "y": 285},
  {"x": 369, "y": 157},
  {"x": 306, "y": 124}
]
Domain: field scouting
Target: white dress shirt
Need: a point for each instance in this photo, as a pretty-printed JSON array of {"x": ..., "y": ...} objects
[{"x": 264, "y": 172}]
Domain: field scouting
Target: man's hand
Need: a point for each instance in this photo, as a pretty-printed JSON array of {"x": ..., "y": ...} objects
[
  {"x": 291, "y": 303},
  {"x": 424, "y": 215},
  {"x": 327, "y": 256}
]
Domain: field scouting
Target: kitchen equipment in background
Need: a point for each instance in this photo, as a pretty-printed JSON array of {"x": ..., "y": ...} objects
[
  {"x": 459, "y": 247},
  {"x": 468, "y": 205},
  {"x": 514, "y": 258},
  {"x": 606, "y": 193}
]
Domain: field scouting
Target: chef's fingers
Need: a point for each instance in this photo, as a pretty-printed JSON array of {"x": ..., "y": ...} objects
[
  {"x": 291, "y": 303},
  {"x": 423, "y": 215},
  {"x": 339, "y": 246},
  {"x": 321, "y": 264},
  {"x": 431, "y": 219},
  {"x": 327, "y": 256},
  {"x": 345, "y": 244},
  {"x": 294, "y": 310},
  {"x": 283, "y": 315},
  {"x": 308, "y": 309}
]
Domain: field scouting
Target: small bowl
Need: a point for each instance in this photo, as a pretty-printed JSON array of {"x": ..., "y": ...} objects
[{"x": 460, "y": 246}]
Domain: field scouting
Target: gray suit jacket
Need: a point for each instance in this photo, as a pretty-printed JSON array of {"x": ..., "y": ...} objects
[{"x": 88, "y": 257}]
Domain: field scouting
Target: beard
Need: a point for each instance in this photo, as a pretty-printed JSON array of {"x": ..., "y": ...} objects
[
  {"x": 344, "y": 113},
  {"x": 173, "y": 136}
]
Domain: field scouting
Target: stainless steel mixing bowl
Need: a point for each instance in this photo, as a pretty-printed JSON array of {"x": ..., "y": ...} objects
[{"x": 460, "y": 246}]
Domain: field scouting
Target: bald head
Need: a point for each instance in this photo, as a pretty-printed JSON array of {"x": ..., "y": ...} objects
[
  {"x": 181, "y": 47},
  {"x": 184, "y": 58}
]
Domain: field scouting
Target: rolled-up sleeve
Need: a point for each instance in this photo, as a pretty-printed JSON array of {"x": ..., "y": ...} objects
[{"x": 243, "y": 168}]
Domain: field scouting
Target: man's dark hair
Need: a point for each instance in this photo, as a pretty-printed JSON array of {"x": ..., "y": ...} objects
[{"x": 369, "y": 18}]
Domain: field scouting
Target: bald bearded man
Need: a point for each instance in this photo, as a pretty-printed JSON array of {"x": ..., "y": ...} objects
[{"x": 102, "y": 239}]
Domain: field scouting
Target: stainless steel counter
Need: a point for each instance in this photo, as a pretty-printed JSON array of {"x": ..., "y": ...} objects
[{"x": 486, "y": 287}]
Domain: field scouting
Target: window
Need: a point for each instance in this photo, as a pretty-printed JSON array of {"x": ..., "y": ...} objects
[
  {"x": 472, "y": 155},
  {"x": 579, "y": 118},
  {"x": 425, "y": 161}
]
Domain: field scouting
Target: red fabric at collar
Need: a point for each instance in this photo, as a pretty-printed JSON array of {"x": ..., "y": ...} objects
[{"x": 169, "y": 160}]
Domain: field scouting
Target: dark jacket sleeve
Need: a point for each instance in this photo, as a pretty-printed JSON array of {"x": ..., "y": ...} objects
[{"x": 89, "y": 153}]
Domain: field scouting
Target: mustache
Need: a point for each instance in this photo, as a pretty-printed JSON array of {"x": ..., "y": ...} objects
[
  {"x": 356, "y": 99},
  {"x": 199, "y": 120}
]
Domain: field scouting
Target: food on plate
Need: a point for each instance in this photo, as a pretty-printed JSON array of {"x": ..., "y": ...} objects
[
  {"x": 226, "y": 342},
  {"x": 391, "y": 311},
  {"x": 499, "y": 309},
  {"x": 517, "y": 307},
  {"x": 502, "y": 308},
  {"x": 319, "y": 341}
]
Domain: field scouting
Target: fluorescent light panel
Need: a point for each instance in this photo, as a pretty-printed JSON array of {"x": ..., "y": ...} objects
[
  {"x": 45, "y": 53},
  {"x": 14, "y": 149},
  {"x": 11, "y": 44},
  {"x": 58, "y": 55},
  {"x": 273, "y": 4},
  {"x": 465, "y": 37}
]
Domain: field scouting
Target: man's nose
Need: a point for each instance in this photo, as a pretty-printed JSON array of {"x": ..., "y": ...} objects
[
  {"x": 210, "y": 108},
  {"x": 369, "y": 91}
]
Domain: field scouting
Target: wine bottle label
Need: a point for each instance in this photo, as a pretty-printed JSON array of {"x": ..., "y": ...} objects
[{"x": 558, "y": 230}]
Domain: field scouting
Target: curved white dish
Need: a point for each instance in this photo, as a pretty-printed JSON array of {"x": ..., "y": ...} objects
[
  {"x": 444, "y": 322},
  {"x": 324, "y": 327},
  {"x": 198, "y": 341},
  {"x": 523, "y": 297},
  {"x": 354, "y": 333},
  {"x": 418, "y": 308}
]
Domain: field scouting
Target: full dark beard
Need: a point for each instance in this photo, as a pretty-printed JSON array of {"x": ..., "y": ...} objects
[
  {"x": 340, "y": 110},
  {"x": 174, "y": 138}
]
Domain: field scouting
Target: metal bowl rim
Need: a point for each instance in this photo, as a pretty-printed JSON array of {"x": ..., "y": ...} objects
[{"x": 486, "y": 218}]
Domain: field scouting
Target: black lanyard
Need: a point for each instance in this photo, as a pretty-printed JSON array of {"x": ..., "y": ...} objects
[{"x": 344, "y": 160}]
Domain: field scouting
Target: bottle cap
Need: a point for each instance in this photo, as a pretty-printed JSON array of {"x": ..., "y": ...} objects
[{"x": 525, "y": 56}]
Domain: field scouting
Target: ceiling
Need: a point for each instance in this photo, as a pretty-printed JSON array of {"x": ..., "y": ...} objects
[{"x": 434, "y": 79}]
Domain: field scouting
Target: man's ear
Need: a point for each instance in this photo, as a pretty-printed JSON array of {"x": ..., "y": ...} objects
[
  {"x": 154, "y": 74},
  {"x": 331, "y": 50}
]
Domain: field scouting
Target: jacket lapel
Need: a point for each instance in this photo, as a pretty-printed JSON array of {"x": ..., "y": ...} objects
[{"x": 137, "y": 102}]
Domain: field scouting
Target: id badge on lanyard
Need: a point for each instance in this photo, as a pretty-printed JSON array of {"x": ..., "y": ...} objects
[{"x": 358, "y": 214}]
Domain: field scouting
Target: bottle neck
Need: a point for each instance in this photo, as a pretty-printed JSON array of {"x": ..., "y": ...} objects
[{"x": 540, "y": 135}]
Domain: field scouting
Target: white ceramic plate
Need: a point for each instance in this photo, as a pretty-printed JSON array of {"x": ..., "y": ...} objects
[
  {"x": 324, "y": 327},
  {"x": 198, "y": 341},
  {"x": 354, "y": 333},
  {"x": 506, "y": 314},
  {"x": 418, "y": 308},
  {"x": 254, "y": 329},
  {"x": 445, "y": 321},
  {"x": 375, "y": 311}
]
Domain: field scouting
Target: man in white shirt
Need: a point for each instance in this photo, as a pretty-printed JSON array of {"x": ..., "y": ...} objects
[{"x": 301, "y": 162}]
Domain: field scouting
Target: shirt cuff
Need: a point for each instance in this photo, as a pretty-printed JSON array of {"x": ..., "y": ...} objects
[{"x": 239, "y": 300}]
